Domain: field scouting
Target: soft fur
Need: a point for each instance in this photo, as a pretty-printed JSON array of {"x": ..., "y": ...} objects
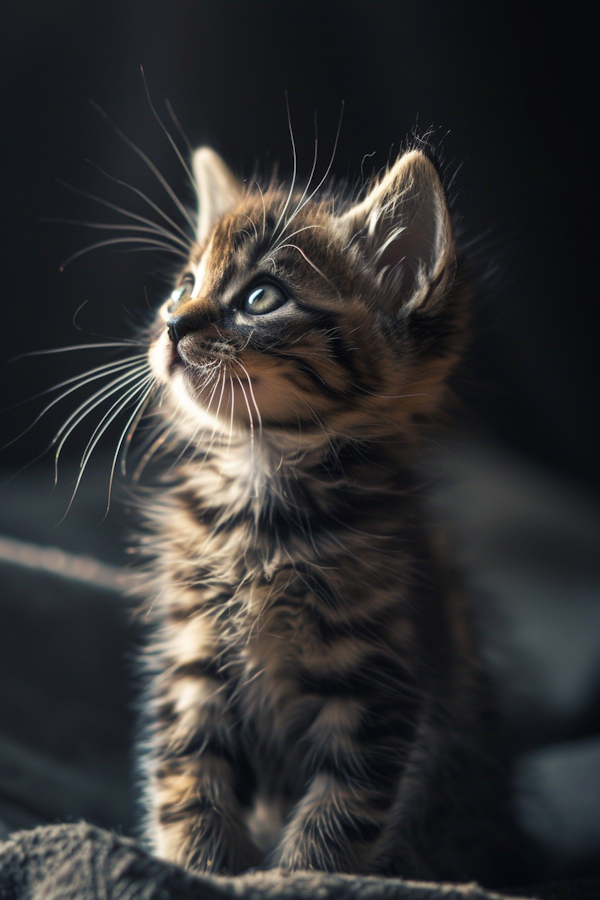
[{"x": 316, "y": 698}]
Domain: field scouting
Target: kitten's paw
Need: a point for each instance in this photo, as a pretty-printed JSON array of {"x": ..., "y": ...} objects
[
  {"x": 309, "y": 856},
  {"x": 232, "y": 854}
]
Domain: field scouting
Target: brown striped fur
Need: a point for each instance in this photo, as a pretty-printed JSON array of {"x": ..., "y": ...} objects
[{"x": 316, "y": 698}]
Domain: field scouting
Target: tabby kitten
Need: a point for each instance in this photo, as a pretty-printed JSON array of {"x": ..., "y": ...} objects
[{"x": 316, "y": 701}]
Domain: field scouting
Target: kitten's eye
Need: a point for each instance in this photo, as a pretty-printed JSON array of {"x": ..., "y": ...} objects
[
  {"x": 182, "y": 293},
  {"x": 263, "y": 299}
]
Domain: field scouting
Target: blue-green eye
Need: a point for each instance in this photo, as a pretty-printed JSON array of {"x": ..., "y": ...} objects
[
  {"x": 182, "y": 293},
  {"x": 263, "y": 299}
]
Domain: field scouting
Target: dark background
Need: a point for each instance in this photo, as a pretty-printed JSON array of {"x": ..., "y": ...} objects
[
  {"x": 508, "y": 89},
  {"x": 509, "y": 92}
]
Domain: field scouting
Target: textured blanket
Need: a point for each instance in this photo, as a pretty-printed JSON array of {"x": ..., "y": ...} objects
[{"x": 82, "y": 862}]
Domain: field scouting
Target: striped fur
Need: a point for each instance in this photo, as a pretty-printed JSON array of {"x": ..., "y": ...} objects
[{"x": 316, "y": 701}]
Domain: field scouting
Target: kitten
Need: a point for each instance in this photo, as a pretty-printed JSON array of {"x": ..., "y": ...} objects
[{"x": 316, "y": 698}]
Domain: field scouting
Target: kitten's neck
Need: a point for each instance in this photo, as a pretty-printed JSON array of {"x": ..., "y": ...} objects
[
  {"x": 276, "y": 476},
  {"x": 264, "y": 508}
]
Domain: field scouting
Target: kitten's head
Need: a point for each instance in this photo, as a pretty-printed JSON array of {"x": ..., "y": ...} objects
[{"x": 313, "y": 315}]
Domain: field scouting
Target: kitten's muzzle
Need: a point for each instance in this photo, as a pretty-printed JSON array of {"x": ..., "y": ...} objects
[
  {"x": 197, "y": 319},
  {"x": 179, "y": 326},
  {"x": 196, "y": 339}
]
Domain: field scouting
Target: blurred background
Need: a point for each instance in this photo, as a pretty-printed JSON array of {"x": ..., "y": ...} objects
[{"x": 508, "y": 94}]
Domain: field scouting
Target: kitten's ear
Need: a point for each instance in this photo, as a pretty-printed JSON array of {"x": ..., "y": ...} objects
[
  {"x": 217, "y": 187},
  {"x": 404, "y": 227}
]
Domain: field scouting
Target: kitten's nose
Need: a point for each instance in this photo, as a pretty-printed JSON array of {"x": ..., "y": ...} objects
[{"x": 178, "y": 326}]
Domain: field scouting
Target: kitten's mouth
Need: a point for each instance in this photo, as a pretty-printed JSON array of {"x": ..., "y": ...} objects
[
  {"x": 204, "y": 367},
  {"x": 224, "y": 391},
  {"x": 200, "y": 355},
  {"x": 209, "y": 375},
  {"x": 200, "y": 360}
]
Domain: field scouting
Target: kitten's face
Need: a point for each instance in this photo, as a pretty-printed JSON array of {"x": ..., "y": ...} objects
[{"x": 291, "y": 317}]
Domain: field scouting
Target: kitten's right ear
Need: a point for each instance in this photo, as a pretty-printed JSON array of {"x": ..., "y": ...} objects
[
  {"x": 217, "y": 187},
  {"x": 404, "y": 229}
]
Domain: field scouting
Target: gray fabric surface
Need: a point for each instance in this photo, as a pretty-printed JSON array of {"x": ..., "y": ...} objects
[{"x": 81, "y": 862}]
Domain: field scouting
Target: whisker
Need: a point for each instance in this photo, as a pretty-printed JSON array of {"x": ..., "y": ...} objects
[
  {"x": 311, "y": 263},
  {"x": 123, "y": 240},
  {"x": 165, "y": 431},
  {"x": 252, "y": 223},
  {"x": 295, "y": 166},
  {"x": 131, "y": 428},
  {"x": 121, "y": 407},
  {"x": 301, "y": 206},
  {"x": 231, "y": 416},
  {"x": 85, "y": 378},
  {"x": 85, "y": 409},
  {"x": 293, "y": 234},
  {"x": 253, "y": 398},
  {"x": 249, "y": 414},
  {"x": 120, "y": 209},
  {"x": 120, "y": 226},
  {"x": 177, "y": 123},
  {"x": 212, "y": 376},
  {"x": 123, "y": 343},
  {"x": 145, "y": 158},
  {"x": 99, "y": 427},
  {"x": 310, "y": 178},
  {"x": 264, "y": 210},
  {"x": 222, "y": 378},
  {"x": 167, "y": 133}
]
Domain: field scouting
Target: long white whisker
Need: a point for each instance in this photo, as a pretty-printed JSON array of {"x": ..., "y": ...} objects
[
  {"x": 177, "y": 123},
  {"x": 295, "y": 168},
  {"x": 124, "y": 240},
  {"x": 293, "y": 234},
  {"x": 127, "y": 434},
  {"x": 73, "y": 347},
  {"x": 222, "y": 378},
  {"x": 252, "y": 223},
  {"x": 311, "y": 263},
  {"x": 143, "y": 156},
  {"x": 309, "y": 182},
  {"x": 258, "y": 415},
  {"x": 99, "y": 371},
  {"x": 167, "y": 133},
  {"x": 301, "y": 206},
  {"x": 212, "y": 377},
  {"x": 86, "y": 408},
  {"x": 249, "y": 414},
  {"x": 122, "y": 404},
  {"x": 81, "y": 381},
  {"x": 264, "y": 209},
  {"x": 120, "y": 226},
  {"x": 165, "y": 431},
  {"x": 110, "y": 416},
  {"x": 231, "y": 414},
  {"x": 131, "y": 432},
  {"x": 120, "y": 209}
]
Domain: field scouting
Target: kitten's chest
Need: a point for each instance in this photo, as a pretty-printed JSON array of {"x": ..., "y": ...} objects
[
  {"x": 275, "y": 708},
  {"x": 275, "y": 651}
]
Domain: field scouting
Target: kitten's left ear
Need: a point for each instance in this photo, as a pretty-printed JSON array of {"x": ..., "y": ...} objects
[
  {"x": 404, "y": 228},
  {"x": 217, "y": 187}
]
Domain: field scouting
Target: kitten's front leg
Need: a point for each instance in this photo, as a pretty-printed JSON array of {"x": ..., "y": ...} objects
[
  {"x": 198, "y": 820},
  {"x": 357, "y": 753},
  {"x": 198, "y": 776},
  {"x": 333, "y": 829}
]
